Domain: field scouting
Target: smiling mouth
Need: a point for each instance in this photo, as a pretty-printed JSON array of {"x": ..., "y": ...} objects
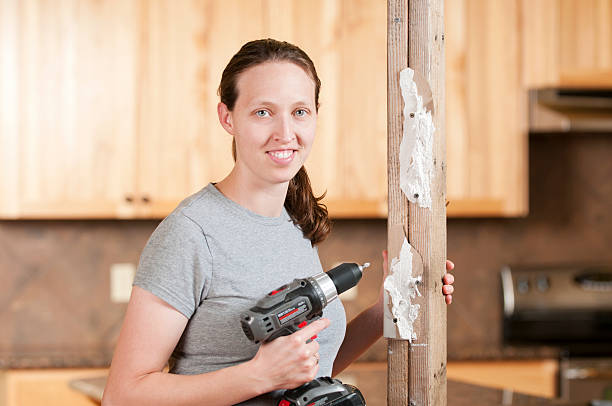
[{"x": 282, "y": 156}]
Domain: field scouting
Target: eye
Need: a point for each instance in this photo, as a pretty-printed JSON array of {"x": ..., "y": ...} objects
[
  {"x": 301, "y": 112},
  {"x": 262, "y": 113}
]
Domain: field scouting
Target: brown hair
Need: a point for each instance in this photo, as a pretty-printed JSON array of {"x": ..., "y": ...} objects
[{"x": 301, "y": 204}]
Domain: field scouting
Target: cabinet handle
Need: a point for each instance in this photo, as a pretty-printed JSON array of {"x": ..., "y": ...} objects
[
  {"x": 129, "y": 198},
  {"x": 146, "y": 199}
]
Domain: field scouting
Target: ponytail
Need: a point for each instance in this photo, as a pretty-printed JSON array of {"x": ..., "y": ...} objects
[{"x": 305, "y": 209}]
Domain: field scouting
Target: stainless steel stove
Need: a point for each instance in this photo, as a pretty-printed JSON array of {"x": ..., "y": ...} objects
[{"x": 569, "y": 307}]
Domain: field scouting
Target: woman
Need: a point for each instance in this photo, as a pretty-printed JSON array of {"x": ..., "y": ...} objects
[{"x": 226, "y": 246}]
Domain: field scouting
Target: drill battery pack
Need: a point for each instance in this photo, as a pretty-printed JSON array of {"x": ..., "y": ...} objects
[{"x": 323, "y": 391}]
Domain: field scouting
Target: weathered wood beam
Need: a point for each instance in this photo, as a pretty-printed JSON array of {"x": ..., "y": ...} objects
[{"x": 417, "y": 370}]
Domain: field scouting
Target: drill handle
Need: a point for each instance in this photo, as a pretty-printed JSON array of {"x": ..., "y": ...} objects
[{"x": 292, "y": 327}]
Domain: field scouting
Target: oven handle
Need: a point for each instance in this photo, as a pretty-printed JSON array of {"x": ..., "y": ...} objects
[{"x": 587, "y": 373}]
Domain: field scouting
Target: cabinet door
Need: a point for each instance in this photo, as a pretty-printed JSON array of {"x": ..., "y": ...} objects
[
  {"x": 567, "y": 43},
  {"x": 346, "y": 39},
  {"x": 485, "y": 110},
  {"x": 51, "y": 387},
  {"x": 181, "y": 145},
  {"x": 67, "y": 117}
]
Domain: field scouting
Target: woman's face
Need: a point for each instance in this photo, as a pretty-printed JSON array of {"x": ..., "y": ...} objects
[{"x": 273, "y": 121}]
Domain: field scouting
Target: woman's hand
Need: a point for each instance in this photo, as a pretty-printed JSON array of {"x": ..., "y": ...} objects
[
  {"x": 448, "y": 279},
  {"x": 290, "y": 361}
]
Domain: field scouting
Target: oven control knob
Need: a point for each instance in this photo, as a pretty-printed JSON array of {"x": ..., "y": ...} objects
[
  {"x": 542, "y": 283},
  {"x": 595, "y": 280},
  {"x": 522, "y": 285}
]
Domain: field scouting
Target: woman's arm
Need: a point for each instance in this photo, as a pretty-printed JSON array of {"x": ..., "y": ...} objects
[
  {"x": 361, "y": 333},
  {"x": 150, "y": 332}
]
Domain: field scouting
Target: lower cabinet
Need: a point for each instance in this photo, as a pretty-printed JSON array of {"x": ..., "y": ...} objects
[
  {"x": 50, "y": 387},
  {"x": 532, "y": 377}
]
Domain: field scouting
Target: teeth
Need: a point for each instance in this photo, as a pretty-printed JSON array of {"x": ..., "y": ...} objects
[{"x": 281, "y": 154}]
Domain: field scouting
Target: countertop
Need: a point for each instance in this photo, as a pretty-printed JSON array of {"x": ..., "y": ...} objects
[{"x": 371, "y": 380}]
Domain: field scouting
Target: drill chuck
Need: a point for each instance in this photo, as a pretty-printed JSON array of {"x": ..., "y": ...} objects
[{"x": 346, "y": 275}]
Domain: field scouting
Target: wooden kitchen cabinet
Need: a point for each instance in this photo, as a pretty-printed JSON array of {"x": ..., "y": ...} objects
[
  {"x": 109, "y": 111},
  {"x": 533, "y": 377},
  {"x": 567, "y": 43},
  {"x": 182, "y": 146},
  {"x": 67, "y": 108},
  {"x": 486, "y": 133},
  {"x": 49, "y": 387}
]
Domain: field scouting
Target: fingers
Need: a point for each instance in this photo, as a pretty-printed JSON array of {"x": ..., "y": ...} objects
[
  {"x": 311, "y": 330},
  {"x": 385, "y": 255},
  {"x": 448, "y": 279},
  {"x": 449, "y": 265}
]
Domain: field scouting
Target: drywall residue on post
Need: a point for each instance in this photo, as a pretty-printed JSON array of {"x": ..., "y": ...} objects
[
  {"x": 416, "y": 148},
  {"x": 402, "y": 287}
]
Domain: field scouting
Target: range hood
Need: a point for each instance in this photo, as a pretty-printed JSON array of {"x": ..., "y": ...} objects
[{"x": 554, "y": 110}]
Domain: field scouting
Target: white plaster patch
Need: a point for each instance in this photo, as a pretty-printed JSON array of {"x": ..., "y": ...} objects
[
  {"x": 416, "y": 148},
  {"x": 402, "y": 287}
]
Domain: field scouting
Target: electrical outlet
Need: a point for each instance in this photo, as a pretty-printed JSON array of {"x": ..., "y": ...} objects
[{"x": 121, "y": 278}]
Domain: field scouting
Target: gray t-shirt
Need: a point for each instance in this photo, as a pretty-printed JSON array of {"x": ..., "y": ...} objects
[{"x": 212, "y": 259}]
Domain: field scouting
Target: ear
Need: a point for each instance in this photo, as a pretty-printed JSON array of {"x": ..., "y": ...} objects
[{"x": 225, "y": 118}]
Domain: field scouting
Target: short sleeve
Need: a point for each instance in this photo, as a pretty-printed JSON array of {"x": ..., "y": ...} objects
[{"x": 176, "y": 264}]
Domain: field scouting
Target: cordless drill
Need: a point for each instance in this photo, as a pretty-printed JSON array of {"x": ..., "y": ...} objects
[{"x": 288, "y": 308}]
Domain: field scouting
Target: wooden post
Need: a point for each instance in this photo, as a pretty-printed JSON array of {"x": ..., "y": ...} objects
[{"x": 417, "y": 371}]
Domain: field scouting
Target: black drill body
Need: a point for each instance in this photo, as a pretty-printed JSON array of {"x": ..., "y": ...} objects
[{"x": 289, "y": 308}]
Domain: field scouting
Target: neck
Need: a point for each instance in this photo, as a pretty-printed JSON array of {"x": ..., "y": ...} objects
[{"x": 264, "y": 199}]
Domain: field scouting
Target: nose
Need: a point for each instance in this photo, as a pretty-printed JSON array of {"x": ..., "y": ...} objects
[{"x": 284, "y": 131}]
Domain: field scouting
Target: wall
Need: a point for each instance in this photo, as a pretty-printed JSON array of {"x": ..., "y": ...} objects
[{"x": 55, "y": 307}]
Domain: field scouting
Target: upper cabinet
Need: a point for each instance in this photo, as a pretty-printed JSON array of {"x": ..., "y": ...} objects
[
  {"x": 567, "y": 43},
  {"x": 496, "y": 51},
  {"x": 486, "y": 133},
  {"x": 68, "y": 108},
  {"x": 109, "y": 110}
]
